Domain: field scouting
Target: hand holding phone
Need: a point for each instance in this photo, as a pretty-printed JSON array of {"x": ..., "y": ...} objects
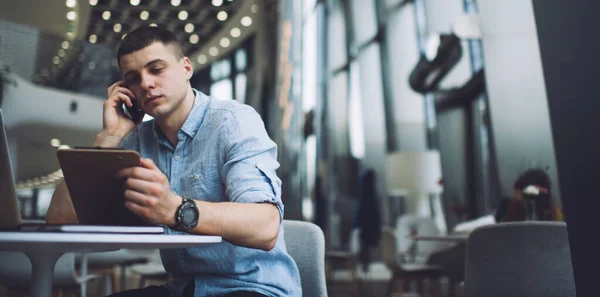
[
  {"x": 117, "y": 121},
  {"x": 135, "y": 113}
]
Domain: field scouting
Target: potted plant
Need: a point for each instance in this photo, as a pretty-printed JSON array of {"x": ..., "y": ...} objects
[{"x": 5, "y": 79}]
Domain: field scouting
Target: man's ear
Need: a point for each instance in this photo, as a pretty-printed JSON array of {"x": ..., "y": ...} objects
[{"x": 187, "y": 65}]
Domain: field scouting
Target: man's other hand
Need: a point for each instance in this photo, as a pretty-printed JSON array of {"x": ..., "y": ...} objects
[{"x": 148, "y": 193}]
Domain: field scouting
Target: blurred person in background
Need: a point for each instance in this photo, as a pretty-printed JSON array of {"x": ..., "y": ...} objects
[{"x": 532, "y": 200}]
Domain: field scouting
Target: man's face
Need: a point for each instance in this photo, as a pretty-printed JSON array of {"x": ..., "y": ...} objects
[{"x": 157, "y": 77}]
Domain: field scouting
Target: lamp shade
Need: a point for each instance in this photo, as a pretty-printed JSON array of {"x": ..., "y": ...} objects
[{"x": 418, "y": 172}]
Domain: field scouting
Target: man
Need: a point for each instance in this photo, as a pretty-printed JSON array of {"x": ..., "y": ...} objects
[{"x": 198, "y": 153}]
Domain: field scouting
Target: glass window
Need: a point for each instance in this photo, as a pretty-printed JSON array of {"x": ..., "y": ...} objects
[
  {"x": 220, "y": 69},
  {"x": 222, "y": 89},
  {"x": 240, "y": 87},
  {"x": 371, "y": 90},
  {"x": 364, "y": 18},
  {"x": 241, "y": 60},
  {"x": 403, "y": 52},
  {"x": 309, "y": 63},
  {"x": 311, "y": 162},
  {"x": 309, "y": 5},
  {"x": 43, "y": 200},
  {"x": 336, "y": 38},
  {"x": 338, "y": 112},
  {"x": 355, "y": 120},
  {"x": 225, "y": 68}
]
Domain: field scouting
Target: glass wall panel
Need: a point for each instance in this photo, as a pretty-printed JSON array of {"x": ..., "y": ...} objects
[
  {"x": 355, "y": 113},
  {"x": 240, "y": 87},
  {"x": 364, "y": 19},
  {"x": 309, "y": 62},
  {"x": 402, "y": 54},
  {"x": 222, "y": 90},
  {"x": 337, "y": 55},
  {"x": 337, "y": 100},
  {"x": 241, "y": 60}
]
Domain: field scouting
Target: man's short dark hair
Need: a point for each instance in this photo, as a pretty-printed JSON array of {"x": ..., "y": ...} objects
[{"x": 145, "y": 36}]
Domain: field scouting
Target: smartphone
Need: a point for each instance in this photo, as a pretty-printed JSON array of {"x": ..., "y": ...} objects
[{"x": 134, "y": 112}]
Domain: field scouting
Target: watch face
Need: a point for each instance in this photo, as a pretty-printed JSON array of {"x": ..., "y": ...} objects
[{"x": 189, "y": 216}]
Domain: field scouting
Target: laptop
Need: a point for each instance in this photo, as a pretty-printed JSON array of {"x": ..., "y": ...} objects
[{"x": 10, "y": 218}]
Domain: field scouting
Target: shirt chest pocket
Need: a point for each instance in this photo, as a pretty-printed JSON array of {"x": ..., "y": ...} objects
[{"x": 202, "y": 184}]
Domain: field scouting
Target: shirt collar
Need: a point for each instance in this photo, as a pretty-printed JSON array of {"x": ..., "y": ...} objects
[{"x": 192, "y": 122}]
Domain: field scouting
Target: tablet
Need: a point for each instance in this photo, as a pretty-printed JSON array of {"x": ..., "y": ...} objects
[{"x": 96, "y": 194}]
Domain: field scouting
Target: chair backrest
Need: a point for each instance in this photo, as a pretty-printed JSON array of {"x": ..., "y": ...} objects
[
  {"x": 15, "y": 271},
  {"x": 519, "y": 259},
  {"x": 305, "y": 243}
]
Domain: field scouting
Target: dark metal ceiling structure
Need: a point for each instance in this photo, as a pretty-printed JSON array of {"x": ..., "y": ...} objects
[{"x": 193, "y": 21}]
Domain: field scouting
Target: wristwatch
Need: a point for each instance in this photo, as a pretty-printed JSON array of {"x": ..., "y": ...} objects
[{"x": 186, "y": 216}]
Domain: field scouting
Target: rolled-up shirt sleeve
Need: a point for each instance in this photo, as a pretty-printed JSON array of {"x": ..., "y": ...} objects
[{"x": 250, "y": 161}]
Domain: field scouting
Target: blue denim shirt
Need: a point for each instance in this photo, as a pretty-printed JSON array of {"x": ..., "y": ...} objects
[{"x": 223, "y": 154}]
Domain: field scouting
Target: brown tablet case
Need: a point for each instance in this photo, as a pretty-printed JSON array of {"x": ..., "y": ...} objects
[{"x": 96, "y": 194}]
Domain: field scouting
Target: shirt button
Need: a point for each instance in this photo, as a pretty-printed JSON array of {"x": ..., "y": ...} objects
[
  {"x": 196, "y": 176},
  {"x": 176, "y": 158}
]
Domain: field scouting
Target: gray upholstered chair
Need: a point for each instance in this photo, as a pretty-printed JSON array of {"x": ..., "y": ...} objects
[
  {"x": 519, "y": 259},
  {"x": 305, "y": 243},
  {"x": 15, "y": 273}
]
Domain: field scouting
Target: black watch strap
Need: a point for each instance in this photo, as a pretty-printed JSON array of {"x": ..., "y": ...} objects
[{"x": 186, "y": 216}]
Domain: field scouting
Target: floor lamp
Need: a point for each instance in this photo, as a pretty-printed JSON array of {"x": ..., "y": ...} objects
[{"x": 418, "y": 174}]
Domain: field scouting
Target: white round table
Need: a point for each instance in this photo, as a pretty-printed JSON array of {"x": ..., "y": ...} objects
[{"x": 44, "y": 248}]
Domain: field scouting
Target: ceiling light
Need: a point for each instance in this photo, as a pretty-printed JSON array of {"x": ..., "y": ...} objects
[
  {"x": 71, "y": 15},
  {"x": 106, "y": 15},
  {"x": 213, "y": 51},
  {"x": 93, "y": 2},
  {"x": 55, "y": 60},
  {"x": 71, "y": 3},
  {"x": 222, "y": 15},
  {"x": 235, "y": 32},
  {"x": 65, "y": 44},
  {"x": 217, "y": 2},
  {"x": 189, "y": 28},
  {"x": 175, "y": 2},
  {"x": 254, "y": 8},
  {"x": 135, "y": 2},
  {"x": 246, "y": 21},
  {"x": 183, "y": 15},
  {"x": 144, "y": 15},
  {"x": 225, "y": 42},
  {"x": 54, "y": 142},
  {"x": 64, "y": 147},
  {"x": 153, "y": 25},
  {"x": 61, "y": 53},
  {"x": 194, "y": 38},
  {"x": 70, "y": 35},
  {"x": 93, "y": 38},
  {"x": 117, "y": 27},
  {"x": 202, "y": 59}
]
